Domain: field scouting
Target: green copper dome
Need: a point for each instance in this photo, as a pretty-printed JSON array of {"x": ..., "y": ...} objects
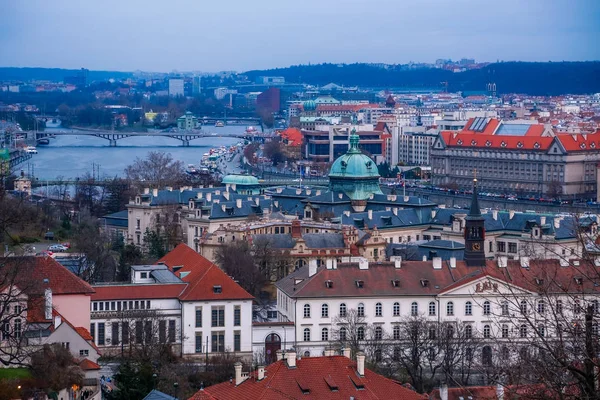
[
  {"x": 241, "y": 180},
  {"x": 354, "y": 173},
  {"x": 309, "y": 105}
]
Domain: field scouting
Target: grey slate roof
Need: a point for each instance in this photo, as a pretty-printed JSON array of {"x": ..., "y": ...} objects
[
  {"x": 324, "y": 240},
  {"x": 157, "y": 395},
  {"x": 276, "y": 241}
]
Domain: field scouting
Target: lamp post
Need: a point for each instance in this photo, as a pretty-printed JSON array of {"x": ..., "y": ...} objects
[{"x": 176, "y": 388}]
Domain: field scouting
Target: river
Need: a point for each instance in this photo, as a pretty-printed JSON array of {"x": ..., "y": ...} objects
[{"x": 74, "y": 156}]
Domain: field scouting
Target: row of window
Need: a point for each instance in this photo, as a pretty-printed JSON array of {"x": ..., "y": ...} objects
[
  {"x": 217, "y": 342},
  {"x": 15, "y": 332},
  {"x": 142, "y": 331},
  {"x": 218, "y": 316},
  {"x": 432, "y": 308},
  {"x": 121, "y": 305}
]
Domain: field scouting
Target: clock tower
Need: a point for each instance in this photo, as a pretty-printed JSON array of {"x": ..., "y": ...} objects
[{"x": 474, "y": 233}]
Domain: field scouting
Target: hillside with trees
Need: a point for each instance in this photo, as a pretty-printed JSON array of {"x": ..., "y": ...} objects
[{"x": 533, "y": 78}]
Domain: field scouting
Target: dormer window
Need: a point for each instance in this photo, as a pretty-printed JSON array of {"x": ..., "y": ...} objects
[
  {"x": 473, "y": 142},
  {"x": 396, "y": 282},
  {"x": 424, "y": 282},
  {"x": 519, "y": 144},
  {"x": 578, "y": 280},
  {"x": 582, "y": 145},
  {"x": 488, "y": 143},
  {"x": 536, "y": 145},
  {"x": 360, "y": 284},
  {"x": 503, "y": 144},
  {"x": 539, "y": 281},
  {"x": 217, "y": 289},
  {"x": 329, "y": 284},
  {"x": 144, "y": 275},
  {"x": 593, "y": 145},
  {"x": 459, "y": 142}
]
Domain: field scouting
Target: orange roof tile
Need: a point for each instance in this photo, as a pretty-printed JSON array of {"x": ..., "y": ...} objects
[
  {"x": 202, "y": 277},
  {"x": 88, "y": 365},
  {"x": 293, "y": 136}
]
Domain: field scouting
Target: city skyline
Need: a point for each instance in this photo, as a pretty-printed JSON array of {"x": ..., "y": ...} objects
[{"x": 242, "y": 36}]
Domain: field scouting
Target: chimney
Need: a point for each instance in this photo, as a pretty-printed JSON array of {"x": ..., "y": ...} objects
[
  {"x": 223, "y": 207},
  {"x": 444, "y": 392},
  {"x": 318, "y": 193},
  {"x": 397, "y": 261},
  {"x": 279, "y": 355},
  {"x": 500, "y": 391},
  {"x": 502, "y": 261},
  {"x": 296, "y": 229},
  {"x": 360, "y": 363},
  {"x": 181, "y": 189},
  {"x": 557, "y": 219},
  {"x": 199, "y": 195},
  {"x": 169, "y": 188},
  {"x": 146, "y": 190},
  {"x": 238, "y": 372},
  {"x": 346, "y": 351},
  {"x": 524, "y": 262},
  {"x": 340, "y": 195},
  {"x": 48, "y": 305},
  {"x": 437, "y": 262},
  {"x": 312, "y": 267},
  {"x": 238, "y": 203},
  {"x": 155, "y": 192},
  {"x": 542, "y": 220},
  {"x": 226, "y": 195},
  {"x": 452, "y": 262},
  {"x": 208, "y": 197},
  {"x": 291, "y": 359},
  {"x": 511, "y": 214},
  {"x": 261, "y": 373},
  {"x": 329, "y": 353},
  {"x": 495, "y": 215},
  {"x": 424, "y": 258},
  {"x": 433, "y": 213},
  {"x": 298, "y": 191},
  {"x": 370, "y": 214},
  {"x": 406, "y": 198},
  {"x": 363, "y": 263}
]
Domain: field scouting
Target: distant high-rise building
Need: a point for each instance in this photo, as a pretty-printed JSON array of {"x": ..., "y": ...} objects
[
  {"x": 176, "y": 87},
  {"x": 196, "y": 87},
  {"x": 269, "y": 100}
]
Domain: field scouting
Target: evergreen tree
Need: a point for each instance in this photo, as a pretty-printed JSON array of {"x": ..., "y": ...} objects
[{"x": 133, "y": 381}]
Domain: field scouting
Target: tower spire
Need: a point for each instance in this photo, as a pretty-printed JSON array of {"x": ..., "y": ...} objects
[{"x": 475, "y": 210}]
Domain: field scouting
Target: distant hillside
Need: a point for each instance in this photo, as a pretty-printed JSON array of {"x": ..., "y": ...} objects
[
  {"x": 547, "y": 78},
  {"x": 55, "y": 74}
]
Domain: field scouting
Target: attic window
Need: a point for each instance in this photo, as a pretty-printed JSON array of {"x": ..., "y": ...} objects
[
  {"x": 217, "y": 289},
  {"x": 503, "y": 144},
  {"x": 360, "y": 284},
  {"x": 519, "y": 144},
  {"x": 582, "y": 145},
  {"x": 328, "y": 284},
  {"x": 424, "y": 282},
  {"x": 459, "y": 142},
  {"x": 473, "y": 142},
  {"x": 536, "y": 145},
  {"x": 396, "y": 282},
  {"x": 488, "y": 143},
  {"x": 593, "y": 145},
  {"x": 578, "y": 280},
  {"x": 539, "y": 281}
]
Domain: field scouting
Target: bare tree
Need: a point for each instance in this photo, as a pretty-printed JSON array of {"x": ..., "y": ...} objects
[
  {"x": 237, "y": 260},
  {"x": 351, "y": 331},
  {"x": 158, "y": 169}
]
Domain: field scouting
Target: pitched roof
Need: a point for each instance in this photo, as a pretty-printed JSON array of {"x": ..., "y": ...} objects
[
  {"x": 59, "y": 279},
  {"x": 202, "y": 277},
  {"x": 333, "y": 377},
  {"x": 157, "y": 395},
  {"x": 88, "y": 365},
  {"x": 135, "y": 292}
]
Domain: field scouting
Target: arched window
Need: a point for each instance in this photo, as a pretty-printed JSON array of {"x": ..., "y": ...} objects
[
  {"x": 450, "y": 308},
  {"x": 361, "y": 310},
  {"x": 360, "y": 333},
  {"x": 378, "y": 310},
  {"x": 343, "y": 310},
  {"x": 450, "y": 331},
  {"x": 468, "y": 331},
  {"x": 414, "y": 309},
  {"x": 307, "y": 334},
  {"x": 504, "y": 331},
  {"x": 541, "y": 330},
  {"x": 324, "y": 334},
  {"x": 487, "y": 331},
  {"x": 432, "y": 332},
  {"x": 324, "y": 311},
  {"x": 378, "y": 333},
  {"x": 396, "y": 332},
  {"x": 523, "y": 307},
  {"x": 396, "y": 309},
  {"x": 307, "y": 311},
  {"x": 504, "y": 307},
  {"x": 486, "y": 308},
  {"x": 468, "y": 308},
  {"x": 432, "y": 308},
  {"x": 486, "y": 356},
  {"x": 504, "y": 353},
  {"x": 343, "y": 334},
  {"x": 541, "y": 306},
  {"x": 523, "y": 331}
]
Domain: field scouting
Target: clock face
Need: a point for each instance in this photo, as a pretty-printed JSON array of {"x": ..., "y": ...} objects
[{"x": 476, "y": 246}]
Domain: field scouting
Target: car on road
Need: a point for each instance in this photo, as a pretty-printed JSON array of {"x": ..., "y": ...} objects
[{"x": 57, "y": 248}]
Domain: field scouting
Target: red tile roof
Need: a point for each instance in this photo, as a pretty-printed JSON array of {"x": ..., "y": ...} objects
[
  {"x": 573, "y": 142},
  {"x": 202, "y": 277},
  {"x": 88, "y": 365},
  {"x": 490, "y": 128},
  {"x": 135, "y": 292},
  {"x": 480, "y": 140},
  {"x": 36, "y": 269},
  {"x": 293, "y": 136},
  {"x": 312, "y": 373},
  {"x": 84, "y": 333}
]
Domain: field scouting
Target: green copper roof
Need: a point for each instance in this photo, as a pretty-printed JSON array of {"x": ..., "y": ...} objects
[
  {"x": 309, "y": 105},
  {"x": 240, "y": 180}
]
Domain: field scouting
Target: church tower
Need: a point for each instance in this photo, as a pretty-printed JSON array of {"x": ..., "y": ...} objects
[{"x": 474, "y": 233}]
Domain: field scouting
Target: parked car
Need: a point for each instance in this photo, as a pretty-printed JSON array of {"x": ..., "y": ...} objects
[
  {"x": 49, "y": 235},
  {"x": 57, "y": 248}
]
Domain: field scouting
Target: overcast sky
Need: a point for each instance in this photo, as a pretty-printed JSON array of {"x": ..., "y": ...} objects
[{"x": 214, "y": 35}]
